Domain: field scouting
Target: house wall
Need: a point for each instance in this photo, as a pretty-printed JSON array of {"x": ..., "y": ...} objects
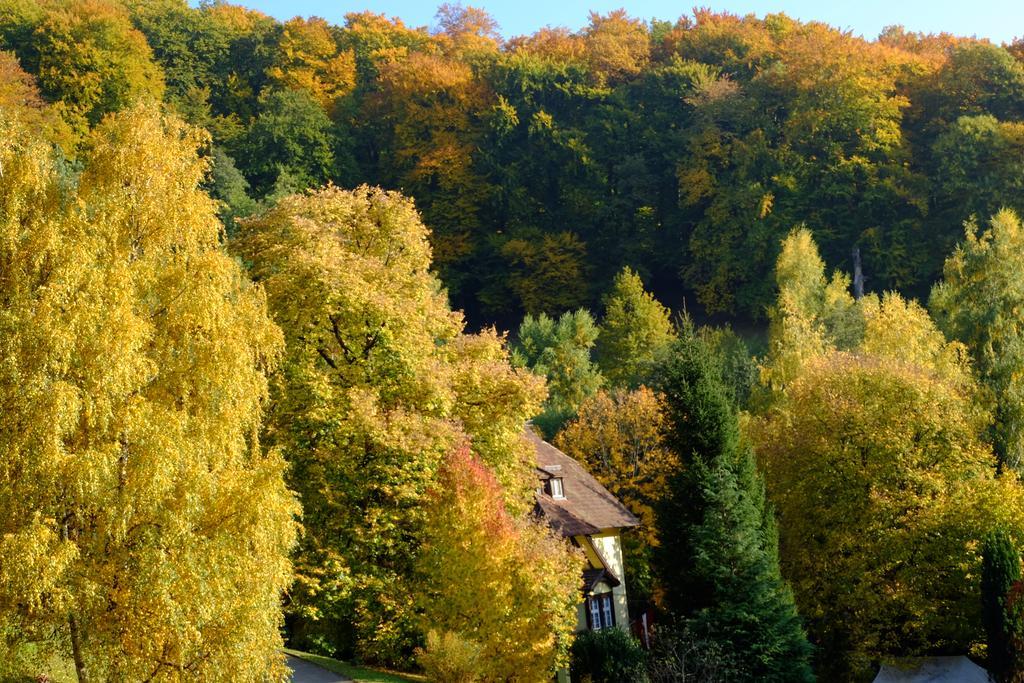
[{"x": 609, "y": 544}]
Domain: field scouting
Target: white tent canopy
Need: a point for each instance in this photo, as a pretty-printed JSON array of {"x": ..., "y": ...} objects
[{"x": 933, "y": 670}]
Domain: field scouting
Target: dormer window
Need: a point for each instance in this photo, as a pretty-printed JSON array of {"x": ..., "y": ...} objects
[{"x": 555, "y": 485}]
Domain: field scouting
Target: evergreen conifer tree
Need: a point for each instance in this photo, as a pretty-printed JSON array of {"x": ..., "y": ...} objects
[
  {"x": 1000, "y": 570},
  {"x": 719, "y": 551},
  {"x": 635, "y": 330}
]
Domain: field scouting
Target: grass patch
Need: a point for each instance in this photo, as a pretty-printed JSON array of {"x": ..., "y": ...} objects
[{"x": 360, "y": 674}]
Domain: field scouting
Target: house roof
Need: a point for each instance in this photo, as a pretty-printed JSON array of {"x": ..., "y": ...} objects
[
  {"x": 933, "y": 670},
  {"x": 595, "y": 575},
  {"x": 587, "y": 507}
]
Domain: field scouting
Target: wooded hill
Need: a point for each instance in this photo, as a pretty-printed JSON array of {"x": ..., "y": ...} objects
[
  {"x": 240, "y": 403},
  {"x": 543, "y": 164}
]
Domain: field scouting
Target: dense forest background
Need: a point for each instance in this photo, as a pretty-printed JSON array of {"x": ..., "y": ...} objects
[
  {"x": 843, "y": 491},
  {"x": 544, "y": 164}
]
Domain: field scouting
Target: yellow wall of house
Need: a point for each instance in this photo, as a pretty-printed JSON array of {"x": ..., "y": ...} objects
[{"x": 609, "y": 544}]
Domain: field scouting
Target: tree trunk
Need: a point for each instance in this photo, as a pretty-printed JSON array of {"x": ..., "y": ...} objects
[
  {"x": 858, "y": 275},
  {"x": 76, "y": 639},
  {"x": 76, "y": 651}
]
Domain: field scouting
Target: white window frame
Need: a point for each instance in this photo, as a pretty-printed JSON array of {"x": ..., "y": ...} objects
[
  {"x": 595, "y": 614},
  {"x": 602, "y": 611},
  {"x": 557, "y": 489},
  {"x": 607, "y": 612}
]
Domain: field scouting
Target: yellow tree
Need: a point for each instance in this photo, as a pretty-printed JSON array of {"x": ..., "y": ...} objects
[
  {"x": 144, "y": 531},
  {"x": 308, "y": 58},
  {"x": 617, "y": 46},
  {"x": 618, "y": 436},
  {"x": 811, "y": 315},
  {"x": 92, "y": 61},
  {"x": 883, "y": 487},
  {"x": 378, "y": 384},
  {"x": 504, "y": 586}
]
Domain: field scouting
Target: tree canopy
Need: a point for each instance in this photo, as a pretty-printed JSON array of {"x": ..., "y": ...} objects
[
  {"x": 378, "y": 384},
  {"x": 145, "y": 529}
]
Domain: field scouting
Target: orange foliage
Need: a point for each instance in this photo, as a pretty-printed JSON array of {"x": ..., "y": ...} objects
[{"x": 617, "y": 45}]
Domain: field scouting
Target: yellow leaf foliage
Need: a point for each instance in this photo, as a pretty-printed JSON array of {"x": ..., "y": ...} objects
[
  {"x": 308, "y": 58},
  {"x": 378, "y": 384},
  {"x": 617, "y": 437},
  {"x": 505, "y": 585},
  {"x": 92, "y": 61},
  {"x": 883, "y": 487},
  {"x": 143, "y": 529}
]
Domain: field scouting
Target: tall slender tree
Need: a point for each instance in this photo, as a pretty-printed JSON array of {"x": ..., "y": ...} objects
[
  {"x": 978, "y": 302},
  {"x": 718, "y": 552},
  {"x": 1000, "y": 570},
  {"x": 635, "y": 330}
]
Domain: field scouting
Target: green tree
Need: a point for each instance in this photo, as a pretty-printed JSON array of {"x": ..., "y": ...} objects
[
  {"x": 635, "y": 331},
  {"x": 227, "y": 185},
  {"x": 188, "y": 44},
  {"x": 1000, "y": 570},
  {"x": 979, "y": 170},
  {"x": 718, "y": 553},
  {"x": 608, "y": 656},
  {"x": 378, "y": 384},
  {"x": 560, "y": 351},
  {"x": 290, "y": 145},
  {"x": 145, "y": 530},
  {"x": 978, "y": 302}
]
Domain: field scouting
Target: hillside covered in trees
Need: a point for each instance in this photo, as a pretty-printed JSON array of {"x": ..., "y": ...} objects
[
  {"x": 278, "y": 299},
  {"x": 543, "y": 164}
]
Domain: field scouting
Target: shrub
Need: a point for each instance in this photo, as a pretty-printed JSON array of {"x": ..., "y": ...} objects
[
  {"x": 450, "y": 657},
  {"x": 680, "y": 656},
  {"x": 609, "y": 655}
]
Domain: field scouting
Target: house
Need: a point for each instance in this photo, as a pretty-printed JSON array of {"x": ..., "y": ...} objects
[
  {"x": 932, "y": 670},
  {"x": 576, "y": 506}
]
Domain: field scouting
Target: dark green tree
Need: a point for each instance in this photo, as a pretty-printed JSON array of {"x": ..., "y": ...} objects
[
  {"x": 607, "y": 656},
  {"x": 1000, "y": 570},
  {"x": 228, "y": 186},
  {"x": 718, "y": 557},
  {"x": 291, "y": 137}
]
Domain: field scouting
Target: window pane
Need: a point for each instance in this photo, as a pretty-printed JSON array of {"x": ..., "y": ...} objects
[
  {"x": 606, "y": 606},
  {"x": 595, "y": 614},
  {"x": 556, "y": 488}
]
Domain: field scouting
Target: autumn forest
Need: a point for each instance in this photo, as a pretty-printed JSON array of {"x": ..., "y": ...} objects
[{"x": 280, "y": 303}]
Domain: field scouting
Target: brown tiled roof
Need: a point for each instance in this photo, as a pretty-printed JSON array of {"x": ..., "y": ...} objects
[{"x": 587, "y": 507}]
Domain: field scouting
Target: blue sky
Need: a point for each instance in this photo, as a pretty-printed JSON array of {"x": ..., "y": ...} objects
[{"x": 998, "y": 20}]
